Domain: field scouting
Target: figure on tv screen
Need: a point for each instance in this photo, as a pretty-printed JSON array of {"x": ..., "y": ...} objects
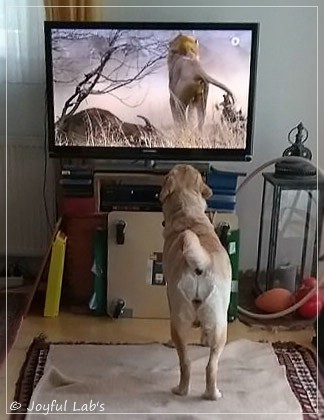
[{"x": 188, "y": 82}]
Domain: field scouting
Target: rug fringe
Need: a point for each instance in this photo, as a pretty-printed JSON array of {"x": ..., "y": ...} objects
[{"x": 27, "y": 371}]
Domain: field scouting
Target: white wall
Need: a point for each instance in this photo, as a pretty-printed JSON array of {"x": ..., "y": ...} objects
[
  {"x": 286, "y": 84},
  {"x": 285, "y": 92}
]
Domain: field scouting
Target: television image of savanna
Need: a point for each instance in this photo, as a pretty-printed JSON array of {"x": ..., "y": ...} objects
[{"x": 151, "y": 88}]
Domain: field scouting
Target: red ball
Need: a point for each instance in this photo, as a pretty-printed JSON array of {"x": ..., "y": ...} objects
[
  {"x": 307, "y": 285},
  {"x": 312, "y": 307},
  {"x": 309, "y": 282},
  {"x": 274, "y": 300}
]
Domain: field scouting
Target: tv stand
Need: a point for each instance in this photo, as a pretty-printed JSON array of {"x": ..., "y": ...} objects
[
  {"x": 133, "y": 187},
  {"x": 143, "y": 166},
  {"x": 119, "y": 180}
]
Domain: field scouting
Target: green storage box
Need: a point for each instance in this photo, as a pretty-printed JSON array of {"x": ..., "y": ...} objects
[
  {"x": 98, "y": 302},
  {"x": 233, "y": 252}
]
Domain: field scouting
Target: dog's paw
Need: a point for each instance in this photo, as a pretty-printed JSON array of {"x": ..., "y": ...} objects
[
  {"x": 180, "y": 391},
  {"x": 212, "y": 396}
]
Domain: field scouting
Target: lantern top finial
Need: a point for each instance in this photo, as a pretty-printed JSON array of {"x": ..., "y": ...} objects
[{"x": 297, "y": 148}]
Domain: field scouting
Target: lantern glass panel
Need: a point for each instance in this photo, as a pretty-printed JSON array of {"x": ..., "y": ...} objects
[{"x": 297, "y": 231}]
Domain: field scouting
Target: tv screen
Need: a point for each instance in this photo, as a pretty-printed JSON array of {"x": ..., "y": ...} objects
[{"x": 176, "y": 91}]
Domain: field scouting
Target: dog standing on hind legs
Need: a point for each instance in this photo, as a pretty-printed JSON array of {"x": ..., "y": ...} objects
[{"x": 197, "y": 271}]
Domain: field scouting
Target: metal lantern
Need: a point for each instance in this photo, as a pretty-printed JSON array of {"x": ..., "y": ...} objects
[
  {"x": 287, "y": 247},
  {"x": 288, "y": 231}
]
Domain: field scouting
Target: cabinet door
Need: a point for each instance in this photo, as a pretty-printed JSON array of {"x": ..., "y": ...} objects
[
  {"x": 78, "y": 278},
  {"x": 134, "y": 267}
]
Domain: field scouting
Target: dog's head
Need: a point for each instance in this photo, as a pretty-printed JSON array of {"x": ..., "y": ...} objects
[{"x": 184, "y": 178}]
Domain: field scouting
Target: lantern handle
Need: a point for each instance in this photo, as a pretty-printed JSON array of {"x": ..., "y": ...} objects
[{"x": 299, "y": 136}]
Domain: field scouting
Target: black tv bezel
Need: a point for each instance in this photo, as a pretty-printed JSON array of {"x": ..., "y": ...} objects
[{"x": 129, "y": 153}]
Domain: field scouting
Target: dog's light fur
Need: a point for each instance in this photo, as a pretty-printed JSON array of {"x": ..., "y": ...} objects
[{"x": 197, "y": 271}]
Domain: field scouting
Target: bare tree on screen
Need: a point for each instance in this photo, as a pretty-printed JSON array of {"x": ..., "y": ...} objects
[{"x": 121, "y": 61}]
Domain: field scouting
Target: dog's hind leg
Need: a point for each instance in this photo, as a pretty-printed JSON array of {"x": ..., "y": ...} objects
[
  {"x": 178, "y": 336},
  {"x": 216, "y": 341}
]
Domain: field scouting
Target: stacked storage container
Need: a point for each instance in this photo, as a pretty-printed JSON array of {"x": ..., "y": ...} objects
[{"x": 223, "y": 184}]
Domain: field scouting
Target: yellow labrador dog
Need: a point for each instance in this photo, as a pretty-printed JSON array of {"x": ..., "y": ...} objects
[{"x": 197, "y": 271}]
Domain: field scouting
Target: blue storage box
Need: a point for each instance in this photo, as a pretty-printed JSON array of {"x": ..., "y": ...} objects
[
  {"x": 221, "y": 203},
  {"x": 223, "y": 185}
]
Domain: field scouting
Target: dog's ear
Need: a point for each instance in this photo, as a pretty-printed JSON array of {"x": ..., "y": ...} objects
[
  {"x": 167, "y": 187},
  {"x": 206, "y": 192},
  {"x": 201, "y": 187}
]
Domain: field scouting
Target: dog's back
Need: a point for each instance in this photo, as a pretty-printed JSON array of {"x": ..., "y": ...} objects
[{"x": 196, "y": 265}]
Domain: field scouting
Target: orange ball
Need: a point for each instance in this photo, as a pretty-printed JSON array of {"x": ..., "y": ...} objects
[{"x": 274, "y": 300}]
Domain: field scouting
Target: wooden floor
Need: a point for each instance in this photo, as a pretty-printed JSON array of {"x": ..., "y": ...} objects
[{"x": 68, "y": 327}]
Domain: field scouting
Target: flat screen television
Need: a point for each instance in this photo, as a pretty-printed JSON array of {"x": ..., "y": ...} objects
[{"x": 175, "y": 91}]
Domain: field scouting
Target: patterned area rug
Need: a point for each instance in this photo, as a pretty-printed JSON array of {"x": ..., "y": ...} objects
[
  {"x": 305, "y": 377},
  {"x": 300, "y": 365}
]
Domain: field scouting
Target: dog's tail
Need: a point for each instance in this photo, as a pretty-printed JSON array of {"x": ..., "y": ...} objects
[{"x": 196, "y": 256}]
